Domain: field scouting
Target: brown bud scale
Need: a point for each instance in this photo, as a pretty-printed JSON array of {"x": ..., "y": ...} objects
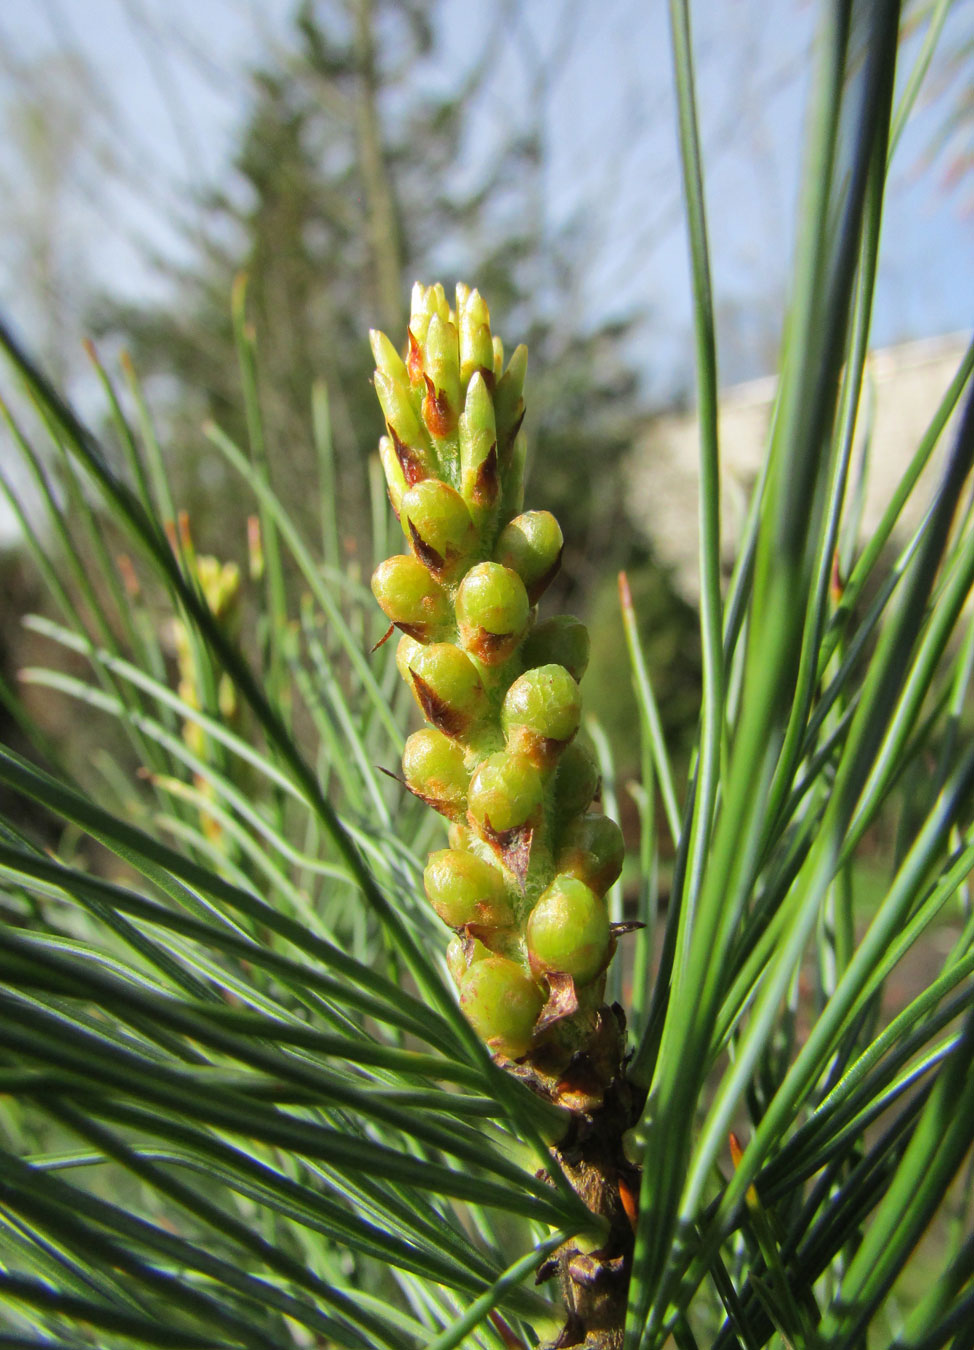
[
  {"x": 413, "y": 469},
  {"x": 487, "y": 487},
  {"x": 439, "y": 417},
  {"x": 427, "y": 555},
  {"x": 438, "y": 713}
]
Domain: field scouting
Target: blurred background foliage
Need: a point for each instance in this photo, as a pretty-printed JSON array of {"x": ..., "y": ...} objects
[
  {"x": 364, "y": 159},
  {"x": 346, "y": 190}
]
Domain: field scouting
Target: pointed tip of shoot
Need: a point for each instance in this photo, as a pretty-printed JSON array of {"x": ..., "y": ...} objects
[
  {"x": 498, "y": 358},
  {"x": 517, "y": 367},
  {"x": 387, "y": 359}
]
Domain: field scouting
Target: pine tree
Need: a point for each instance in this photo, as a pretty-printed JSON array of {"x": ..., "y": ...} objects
[{"x": 347, "y": 186}]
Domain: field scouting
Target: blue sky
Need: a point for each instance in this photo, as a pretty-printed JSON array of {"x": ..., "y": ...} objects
[{"x": 165, "y": 86}]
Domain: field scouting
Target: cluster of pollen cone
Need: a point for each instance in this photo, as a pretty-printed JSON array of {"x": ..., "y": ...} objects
[{"x": 523, "y": 881}]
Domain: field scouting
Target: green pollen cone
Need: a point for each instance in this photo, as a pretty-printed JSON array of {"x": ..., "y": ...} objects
[
  {"x": 541, "y": 711},
  {"x": 434, "y": 770},
  {"x": 447, "y": 686},
  {"x": 562, "y": 641},
  {"x": 439, "y": 527},
  {"x": 502, "y": 1003},
  {"x": 387, "y": 359},
  {"x": 492, "y": 609},
  {"x": 398, "y": 410},
  {"x": 531, "y": 545},
  {"x": 568, "y": 930},
  {"x": 476, "y": 346},
  {"x": 410, "y": 597},
  {"x": 479, "y": 471},
  {"x": 506, "y": 792},
  {"x": 464, "y": 889},
  {"x": 509, "y": 403},
  {"x": 592, "y": 849},
  {"x": 392, "y": 468},
  {"x": 577, "y": 781},
  {"x": 441, "y": 404},
  {"x": 461, "y": 953}
]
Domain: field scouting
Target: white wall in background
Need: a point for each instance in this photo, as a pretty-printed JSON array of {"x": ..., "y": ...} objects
[{"x": 903, "y": 386}]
